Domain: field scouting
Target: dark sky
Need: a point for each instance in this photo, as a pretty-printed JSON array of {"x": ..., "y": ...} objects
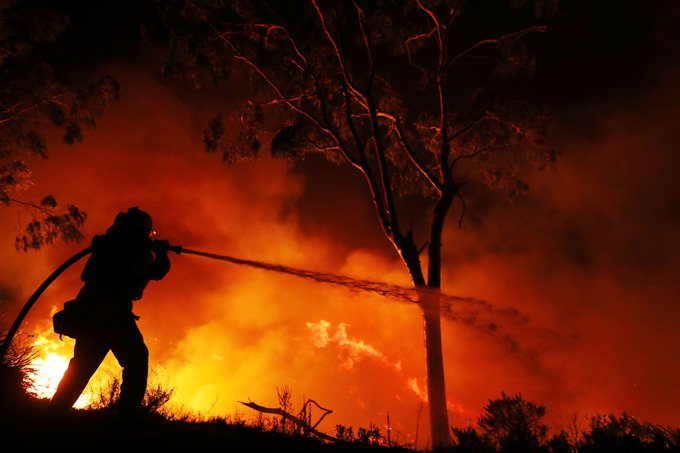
[
  {"x": 594, "y": 51},
  {"x": 601, "y": 51}
]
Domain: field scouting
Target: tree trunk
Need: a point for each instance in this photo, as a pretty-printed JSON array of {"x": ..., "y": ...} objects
[
  {"x": 436, "y": 387},
  {"x": 430, "y": 304}
]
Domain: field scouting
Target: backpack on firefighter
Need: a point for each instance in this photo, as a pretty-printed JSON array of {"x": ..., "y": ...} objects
[{"x": 72, "y": 321}]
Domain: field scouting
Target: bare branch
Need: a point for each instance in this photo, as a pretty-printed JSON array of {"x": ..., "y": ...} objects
[
  {"x": 327, "y": 128},
  {"x": 470, "y": 49},
  {"x": 14, "y": 113},
  {"x": 447, "y": 32},
  {"x": 446, "y": 179},
  {"x": 470, "y": 126},
  {"x": 28, "y": 204},
  {"x": 413, "y": 39},
  {"x": 336, "y": 134},
  {"x": 384, "y": 176},
  {"x": 387, "y": 215},
  {"x": 293, "y": 418},
  {"x": 297, "y": 65},
  {"x": 367, "y": 45},
  {"x": 360, "y": 164},
  {"x": 463, "y": 209},
  {"x": 437, "y": 24},
  {"x": 288, "y": 101},
  {"x": 441, "y": 90},
  {"x": 473, "y": 154},
  {"x": 277, "y": 101},
  {"x": 12, "y": 108},
  {"x": 383, "y": 213},
  {"x": 419, "y": 37},
  {"x": 514, "y": 35},
  {"x": 320, "y": 147},
  {"x": 352, "y": 127},
  {"x": 336, "y": 49},
  {"x": 271, "y": 27},
  {"x": 7, "y": 52},
  {"x": 410, "y": 152},
  {"x": 326, "y": 412}
]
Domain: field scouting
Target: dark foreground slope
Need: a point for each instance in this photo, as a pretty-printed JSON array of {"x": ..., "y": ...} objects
[{"x": 102, "y": 431}]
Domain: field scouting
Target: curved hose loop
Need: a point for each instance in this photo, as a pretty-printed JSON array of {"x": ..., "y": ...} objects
[{"x": 38, "y": 292}]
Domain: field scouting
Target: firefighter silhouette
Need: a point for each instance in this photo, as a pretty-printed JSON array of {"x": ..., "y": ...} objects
[{"x": 122, "y": 263}]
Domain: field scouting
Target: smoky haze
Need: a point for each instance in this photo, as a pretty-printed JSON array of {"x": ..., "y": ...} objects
[{"x": 580, "y": 272}]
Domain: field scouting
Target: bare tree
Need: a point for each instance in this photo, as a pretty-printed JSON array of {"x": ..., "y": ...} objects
[
  {"x": 32, "y": 98},
  {"x": 418, "y": 97}
]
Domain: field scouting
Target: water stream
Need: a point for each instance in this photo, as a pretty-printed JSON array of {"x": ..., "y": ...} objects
[{"x": 473, "y": 312}]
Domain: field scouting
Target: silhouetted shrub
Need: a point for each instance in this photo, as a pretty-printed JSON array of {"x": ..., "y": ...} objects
[
  {"x": 468, "y": 440},
  {"x": 155, "y": 399},
  {"x": 364, "y": 436},
  {"x": 559, "y": 443},
  {"x": 16, "y": 372},
  {"x": 514, "y": 425},
  {"x": 369, "y": 436},
  {"x": 509, "y": 425},
  {"x": 345, "y": 433},
  {"x": 609, "y": 433}
]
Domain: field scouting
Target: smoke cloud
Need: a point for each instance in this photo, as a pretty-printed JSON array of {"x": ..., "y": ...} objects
[{"x": 579, "y": 275}]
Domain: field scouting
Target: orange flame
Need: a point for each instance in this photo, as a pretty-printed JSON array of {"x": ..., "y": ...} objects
[{"x": 52, "y": 361}]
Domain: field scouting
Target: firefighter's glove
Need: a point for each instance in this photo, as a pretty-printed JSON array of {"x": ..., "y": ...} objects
[{"x": 160, "y": 246}]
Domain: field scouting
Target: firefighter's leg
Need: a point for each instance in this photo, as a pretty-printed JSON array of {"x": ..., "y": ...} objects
[
  {"x": 133, "y": 356},
  {"x": 87, "y": 356}
]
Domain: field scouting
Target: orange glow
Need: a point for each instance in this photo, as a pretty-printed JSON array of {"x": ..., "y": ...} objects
[
  {"x": 51, "y": 363},
  {"x": 48, "y": 372},
  {"x": 219, "y": 333}
]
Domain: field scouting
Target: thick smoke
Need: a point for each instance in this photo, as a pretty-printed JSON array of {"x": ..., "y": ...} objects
[
  {"x": 591, "y": 254},
  {"x": 579, "y": 274}
]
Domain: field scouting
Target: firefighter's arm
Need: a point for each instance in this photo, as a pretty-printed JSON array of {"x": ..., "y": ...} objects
[
  {"x": 94, "y": 264},
  {"x": 161, "y": 262}
]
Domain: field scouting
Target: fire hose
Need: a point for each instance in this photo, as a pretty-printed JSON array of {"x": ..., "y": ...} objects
[{"x": 7, "y": 341}]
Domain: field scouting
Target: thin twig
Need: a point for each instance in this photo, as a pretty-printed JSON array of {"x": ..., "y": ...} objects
[
  {"x": 274, "y": 86},
  {"x": 462, "y": 212},
  {"x": 474, "y": 154},
  {"x": 514, "y": 35},
  {"x": 410, "y": 152},
  {"x": 437, "y": 24},
  {"x": 29, "y": 204}
]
